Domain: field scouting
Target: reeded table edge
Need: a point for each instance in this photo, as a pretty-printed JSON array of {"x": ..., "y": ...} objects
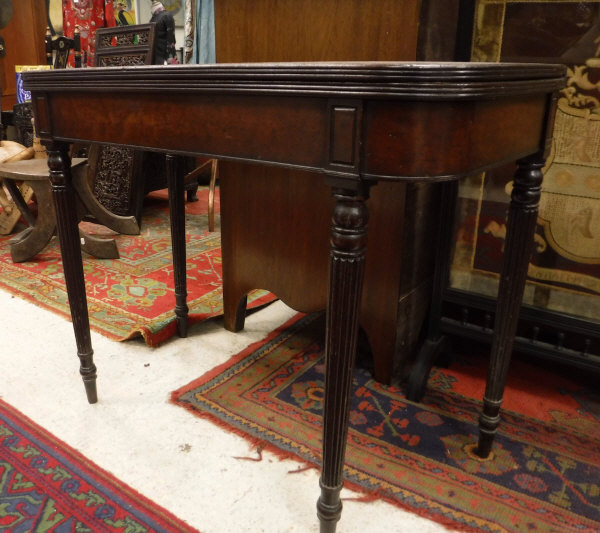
[{"x": 409, "y": 80}]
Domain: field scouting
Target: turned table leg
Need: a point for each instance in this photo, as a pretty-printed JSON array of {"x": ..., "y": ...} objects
[
  {"x": 347, "y": 260},
  {"x": 517, "y": 252},
  {"x": 177, "y": 216},
  {"x": 59, "y": 164}
]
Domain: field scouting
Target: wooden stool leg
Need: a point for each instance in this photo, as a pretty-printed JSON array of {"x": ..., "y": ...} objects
[
  {"x": 34, "y": 239},
  {"x": 98, "y": 247},
  {"x": 347, "y": 262},
  {"x": 59, "y": 163},
  {"x": 517, "y": 252},
  {"x": 127, "y": 225},
  {"x": 177, "y": 215}
]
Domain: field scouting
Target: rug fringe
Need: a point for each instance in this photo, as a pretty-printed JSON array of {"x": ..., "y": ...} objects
[{"x": 365, "y": 495}]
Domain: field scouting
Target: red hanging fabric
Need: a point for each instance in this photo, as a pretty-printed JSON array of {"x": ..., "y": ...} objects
[{"x": 86, "y": 15}]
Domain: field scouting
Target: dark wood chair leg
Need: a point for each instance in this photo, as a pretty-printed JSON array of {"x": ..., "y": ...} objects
[
  {"x": 63, "y": 194},
  {"x": 177, "y": 214},
  {"x": 517, "y": 252},
  {"x": 347, "y": 262}
]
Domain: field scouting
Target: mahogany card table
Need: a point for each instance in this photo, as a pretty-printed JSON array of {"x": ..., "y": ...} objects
[{"x": 356, "y": 123}]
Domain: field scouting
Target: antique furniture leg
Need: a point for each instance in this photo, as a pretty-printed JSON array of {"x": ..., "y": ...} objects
[
  {"x": 517, "y": 251},
  {"x": 59, "y": 164},
  {"x": 347, "y": 262},
  {"x": 435, "y": 343},
  {"x": 177, "y": 212}
]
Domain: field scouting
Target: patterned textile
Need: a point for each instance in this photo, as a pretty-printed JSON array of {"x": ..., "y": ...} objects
[
  {"x": 544, "y": 474},
  {"x": 47, "y": 486},
  {"x": 133, "y": 295},
  {"x": 87, "y": 16}
]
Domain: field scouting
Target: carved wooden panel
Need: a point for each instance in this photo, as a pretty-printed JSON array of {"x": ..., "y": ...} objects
[
  {"x": 116, "y": 170},
  {"x": 113, "y": 170}
]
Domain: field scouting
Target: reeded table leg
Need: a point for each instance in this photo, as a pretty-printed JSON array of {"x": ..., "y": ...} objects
[
  {"x": 517, "y": 251},
  {"x": 177, "y": 216},
  {"x": 59, "y": 164},
  {"x": 347, "y": 260}
]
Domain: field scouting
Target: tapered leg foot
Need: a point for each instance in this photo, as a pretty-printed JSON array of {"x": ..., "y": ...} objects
[
  {"x": 489, "y": 420},
  {"x": 182, "y": 325},
  {"x": 88, "y": 374},
  {"x": 329, "y": 508}
]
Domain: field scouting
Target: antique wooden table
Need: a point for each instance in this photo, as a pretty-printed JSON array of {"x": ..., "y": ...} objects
[{"x": 357, "y": 124}]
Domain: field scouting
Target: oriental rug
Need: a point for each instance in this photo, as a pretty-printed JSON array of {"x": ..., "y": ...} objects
[
  {"x": 47, "y": 486},
  {"x": 544, "y": 475},
  {"x": 133, "y": 295}
]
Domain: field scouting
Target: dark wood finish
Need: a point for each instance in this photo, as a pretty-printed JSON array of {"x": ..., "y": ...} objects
[
  {"x": 118, "y": 173},
  {"x": 125, "y": 45},
  {"x": 525, "y": 198},
  {"x": 347, "y": 264},
  {"x": 259, "y": 251},
  {"x": 177, "y": 211},
  {"x": 63, "y": 193},
  {"x": 286, "y": 115},
  {"x": 59, "y": 49},
  {"x": 122, "y": 176}
]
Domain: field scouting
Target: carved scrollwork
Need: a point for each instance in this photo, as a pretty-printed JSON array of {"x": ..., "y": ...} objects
[
  {"x": 112, "y": 184},
  {"x": 132, "y": 38},
  {"x": 129, "y": 60}
]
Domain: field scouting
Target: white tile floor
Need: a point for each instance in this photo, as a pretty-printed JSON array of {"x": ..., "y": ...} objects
[{"x": 179, "y": 461}]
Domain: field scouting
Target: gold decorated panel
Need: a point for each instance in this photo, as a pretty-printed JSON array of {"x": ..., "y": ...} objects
[{"x": 564, "y": 273}]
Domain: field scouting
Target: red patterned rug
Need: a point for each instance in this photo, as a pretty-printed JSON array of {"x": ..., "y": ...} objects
[
  {"x": 133, "y": 295},
  {"x": 47, "y": 486},
  {"x": 544, "y": 475}
]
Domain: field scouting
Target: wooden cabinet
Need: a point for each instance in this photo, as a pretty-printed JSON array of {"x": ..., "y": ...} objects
[
  {"x": 277, "y": 248},
  {"x": 24, "y": 40}
]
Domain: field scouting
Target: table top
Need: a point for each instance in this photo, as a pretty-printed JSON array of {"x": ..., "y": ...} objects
[
  {"x": 356, "y": 121},
  {"x": 361, "y": 79}
]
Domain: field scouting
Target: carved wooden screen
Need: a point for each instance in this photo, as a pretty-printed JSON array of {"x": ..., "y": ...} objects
[
  {"x": 116, "y": 170},
  {"x": 125, "y": 45}
]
